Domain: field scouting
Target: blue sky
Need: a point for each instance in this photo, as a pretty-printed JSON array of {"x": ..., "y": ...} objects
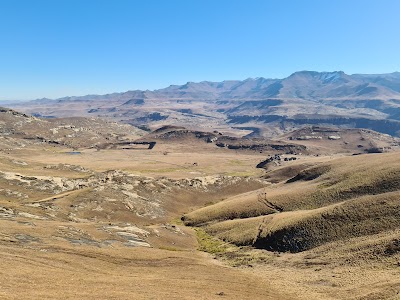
[{"x": 57, "y": 48}]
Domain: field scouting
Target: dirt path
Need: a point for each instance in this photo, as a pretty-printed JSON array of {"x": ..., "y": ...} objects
[{"x": 58, "y": 196}]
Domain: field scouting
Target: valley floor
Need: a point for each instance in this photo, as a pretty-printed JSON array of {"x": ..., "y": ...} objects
[{"x": 77, "y": 243}]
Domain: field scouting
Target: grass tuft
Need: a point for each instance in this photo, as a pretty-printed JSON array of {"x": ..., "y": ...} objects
[{"x": 209, "y": 244}]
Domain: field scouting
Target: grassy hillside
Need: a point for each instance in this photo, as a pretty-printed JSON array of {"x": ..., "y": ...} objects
[{"x": 347, "y": 197}]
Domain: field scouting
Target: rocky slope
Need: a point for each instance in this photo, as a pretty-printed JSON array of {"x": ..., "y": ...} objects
[{"x": 19, "y": 130}]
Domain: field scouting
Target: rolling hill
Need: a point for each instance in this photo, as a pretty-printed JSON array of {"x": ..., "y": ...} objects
[{"x": 327, "y": 202}]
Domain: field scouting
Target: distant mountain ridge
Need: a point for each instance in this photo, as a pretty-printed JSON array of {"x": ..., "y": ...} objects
[
  {"x": 302, "y": 84},
  {"x": 272, "y": 105}
]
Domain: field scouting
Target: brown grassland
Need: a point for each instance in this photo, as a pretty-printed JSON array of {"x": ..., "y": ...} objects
[{"x": 189, "y": 220}]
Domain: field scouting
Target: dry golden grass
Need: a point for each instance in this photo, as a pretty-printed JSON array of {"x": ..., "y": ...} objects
[
  {"x": 75, "y": 254},
  {"x": 333, "y": 182},
  {"x": 245, "y": 206},
  {"x": 356, "y": 268},
  {"x": 179, "y": 161},
  {"x": 345, "y": 222},
  {"x": 72, "y": 255},
  {"x": 357, "y": 217},
  {"x": 87, "y": 273},
  {"x": 239, "y": 231}
]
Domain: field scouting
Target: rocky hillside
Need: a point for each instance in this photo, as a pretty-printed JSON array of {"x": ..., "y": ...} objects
[{"x": 19, "y": 130}]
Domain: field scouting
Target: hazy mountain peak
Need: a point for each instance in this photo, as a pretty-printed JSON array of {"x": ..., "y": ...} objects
[
  {"x": 317, "y": 74},
  {"x": 327, "y": 77},
  {"x": 304, "y": 84}
]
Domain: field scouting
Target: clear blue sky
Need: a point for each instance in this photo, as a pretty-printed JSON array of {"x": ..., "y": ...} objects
[{"x": 57, "y": 48}]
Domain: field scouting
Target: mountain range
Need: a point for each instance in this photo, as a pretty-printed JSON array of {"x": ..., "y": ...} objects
[{"x": 260, "y": 106}]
